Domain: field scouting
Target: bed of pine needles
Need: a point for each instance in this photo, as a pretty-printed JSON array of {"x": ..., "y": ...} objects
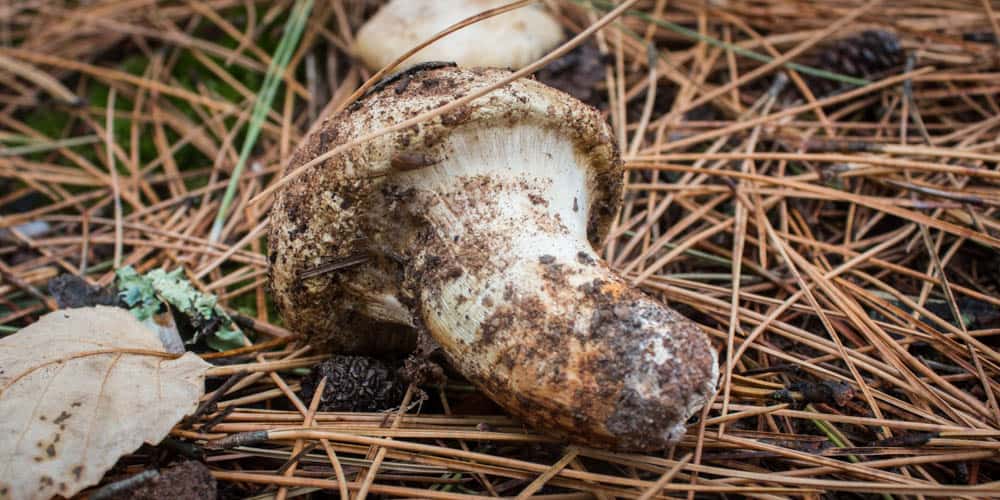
[{"x": 836, "y": 234}]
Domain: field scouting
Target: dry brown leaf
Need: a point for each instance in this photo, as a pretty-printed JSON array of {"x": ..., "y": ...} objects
[{"x": 80, "y": 388}]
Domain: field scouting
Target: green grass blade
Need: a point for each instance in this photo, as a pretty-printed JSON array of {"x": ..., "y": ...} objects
[
  {"x": 282, "y": 55},
  {"x": 39, "y": 146}
]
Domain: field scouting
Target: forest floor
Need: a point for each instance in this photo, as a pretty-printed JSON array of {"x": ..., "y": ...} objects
[{"x": 815, "y": 183}]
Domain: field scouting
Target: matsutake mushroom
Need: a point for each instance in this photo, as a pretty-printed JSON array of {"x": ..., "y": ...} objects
[
  {"x": 510, "y": 40},
  {"x": 478, "y": 227}
]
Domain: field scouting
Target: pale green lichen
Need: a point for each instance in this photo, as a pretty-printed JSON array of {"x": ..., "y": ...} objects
[{"x": 146, "y": 294}]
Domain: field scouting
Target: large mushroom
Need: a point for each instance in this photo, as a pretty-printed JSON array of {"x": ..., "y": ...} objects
[
  {"x": 509, "y": 40},
  {"x": 478, "y": 227}
]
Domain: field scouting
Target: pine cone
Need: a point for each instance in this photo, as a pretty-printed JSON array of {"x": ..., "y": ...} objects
[
  {"x": 354, "y": 383},
  {"x": 869, "y": 54}
]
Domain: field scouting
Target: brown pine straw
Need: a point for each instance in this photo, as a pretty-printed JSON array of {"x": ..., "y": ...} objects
[
  {"x": 817, "y": 238},
  {"x": 379, "y": 452},
  {"x": 297, "y": 448}
]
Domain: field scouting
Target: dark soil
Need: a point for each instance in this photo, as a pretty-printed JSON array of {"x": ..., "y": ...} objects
[
  {"x": 188, "y": 480},
  {"x": 72, "y": 291}
]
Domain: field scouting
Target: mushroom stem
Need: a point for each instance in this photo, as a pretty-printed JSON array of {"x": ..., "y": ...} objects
[{"x": 507, "y": 282}]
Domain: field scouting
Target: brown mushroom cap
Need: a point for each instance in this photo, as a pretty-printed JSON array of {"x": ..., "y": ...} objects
[
  {"x": 337, "y": 214},
  {"x": 478, "y": 227},
  {"x": 509, "y": 40}
]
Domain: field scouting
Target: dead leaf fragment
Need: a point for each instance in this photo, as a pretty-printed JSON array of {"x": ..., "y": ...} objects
[{"x": 79, "y": 389}]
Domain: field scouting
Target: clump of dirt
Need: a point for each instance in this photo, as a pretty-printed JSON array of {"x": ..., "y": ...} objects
[
  {"x": 421, "y": 370},
  {"x": 354, "y": 383},
  {"x": 828, "y": 392},
  {"x": 190, "y": 480}
]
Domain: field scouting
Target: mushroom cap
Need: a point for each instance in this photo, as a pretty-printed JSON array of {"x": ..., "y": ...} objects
[
  {"x": 509, "y": 40},
  {"x": 348, "y": 209}
]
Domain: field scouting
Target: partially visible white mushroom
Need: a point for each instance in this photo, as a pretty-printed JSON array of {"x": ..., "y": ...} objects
[
  {"x": 509, "y": 40},
  {"x": 482, "y": 235}
]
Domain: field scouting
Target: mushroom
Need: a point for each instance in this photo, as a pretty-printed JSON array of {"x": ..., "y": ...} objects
[
  {"x": 478, "y": 228},
  {"x": 509, "y": 40}
]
